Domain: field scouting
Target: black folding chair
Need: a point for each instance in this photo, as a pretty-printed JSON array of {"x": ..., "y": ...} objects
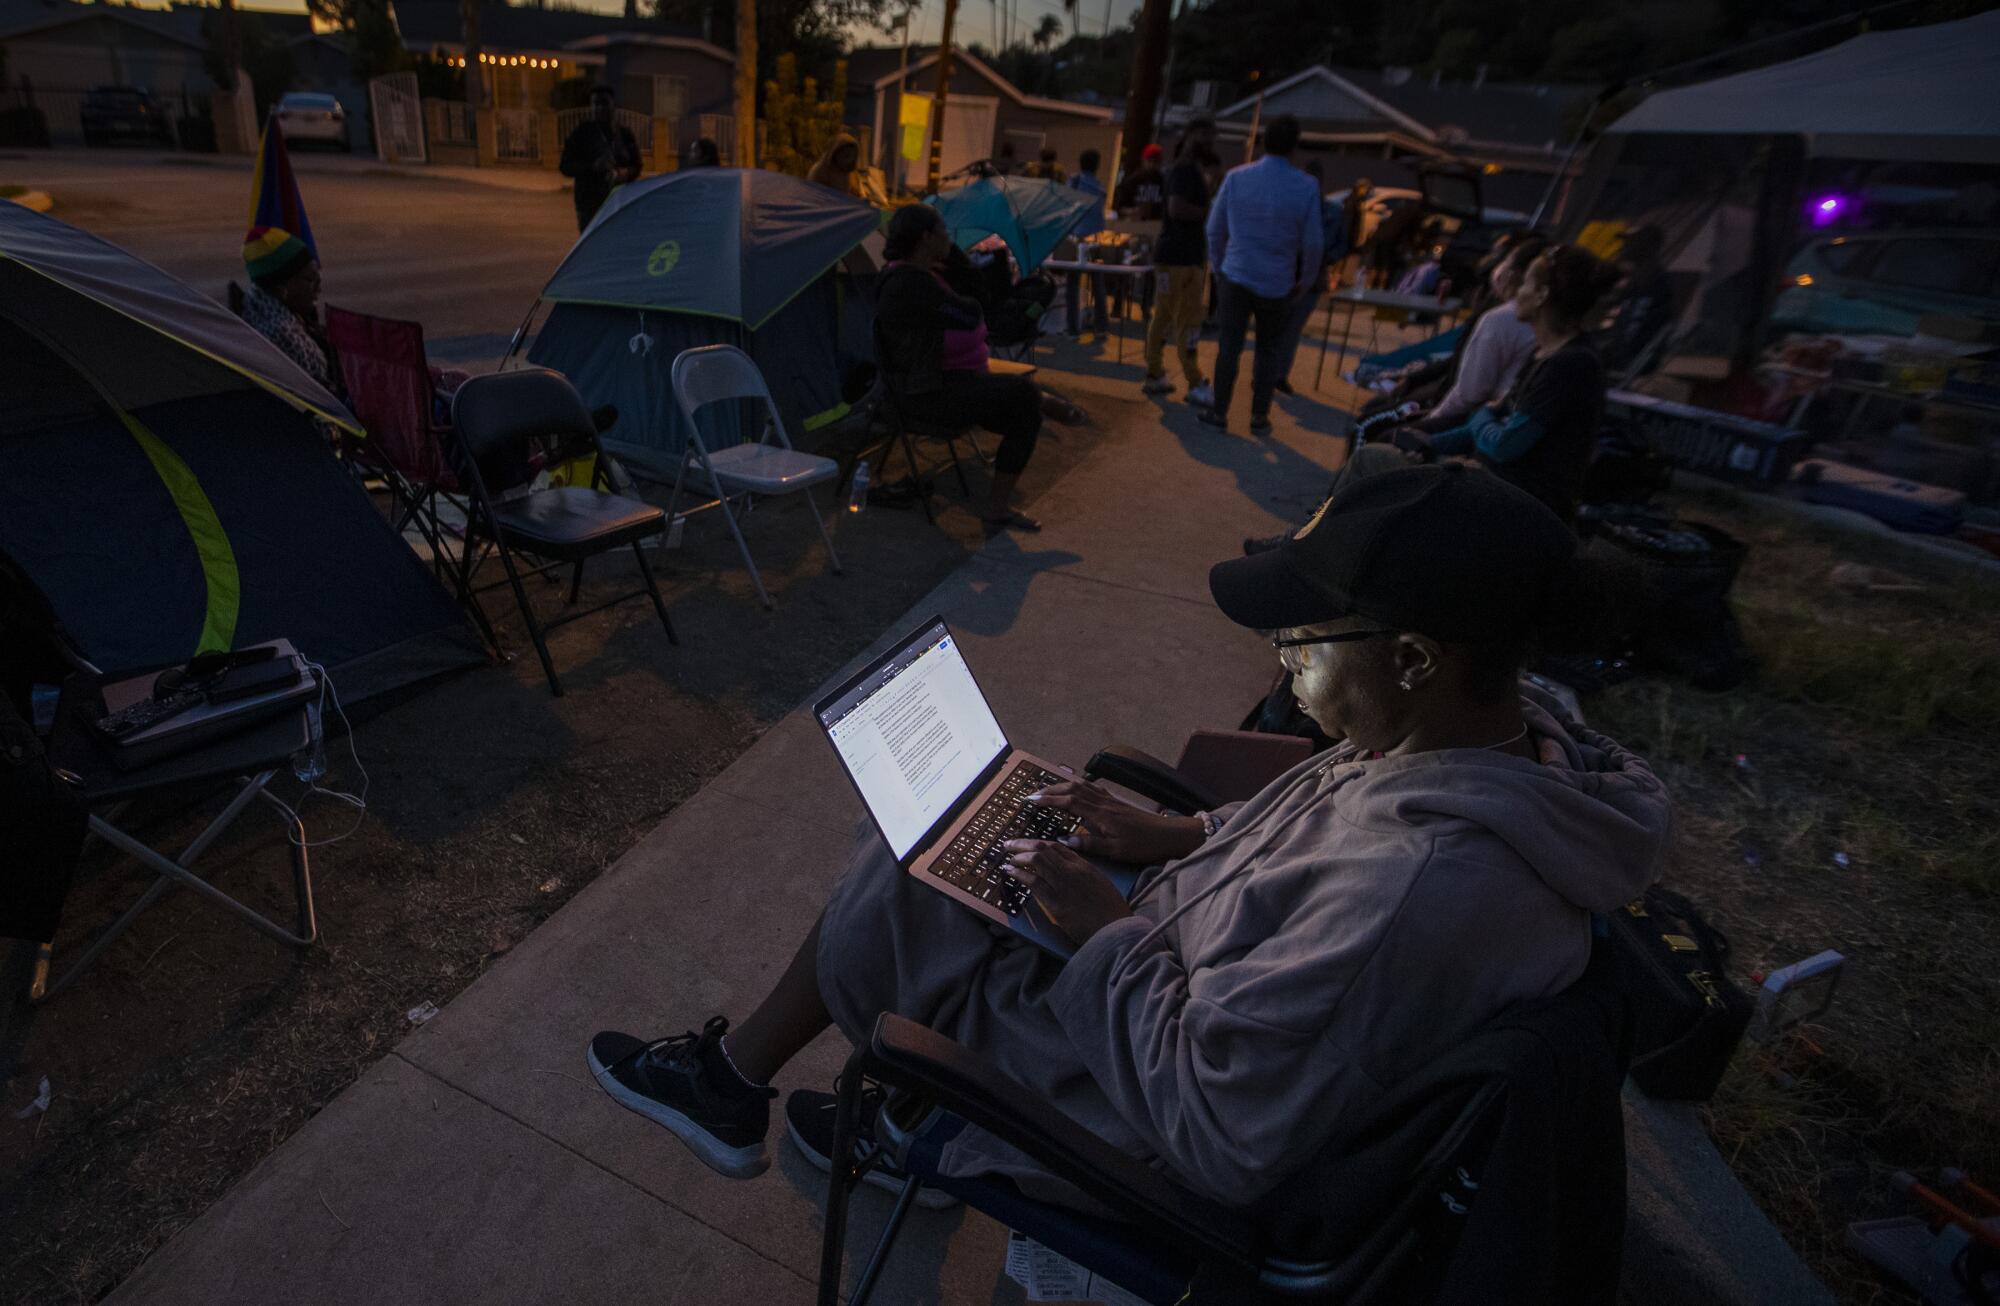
[
  {"x": 498, "y": 417},
  {"x": 1521, "y": 1123}
]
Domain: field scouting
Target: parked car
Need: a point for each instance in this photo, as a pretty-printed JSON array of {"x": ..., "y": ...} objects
[
  {"x": 312, "y": 116},
  {"x": 1885, "y": 281},
  {"x": 123, "y": 113}
]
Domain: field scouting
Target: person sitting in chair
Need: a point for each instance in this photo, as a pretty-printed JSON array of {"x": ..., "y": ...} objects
[
  {"x": 282, "y": 304},
  {"x": 934, "y": 357},
  {"x": 1283, "y": 963}
]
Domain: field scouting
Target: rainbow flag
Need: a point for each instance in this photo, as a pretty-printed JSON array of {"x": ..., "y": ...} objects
[{"x": 274, "y": 191}]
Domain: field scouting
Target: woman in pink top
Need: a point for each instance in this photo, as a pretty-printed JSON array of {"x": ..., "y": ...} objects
[{"x": 931, "y": 344}]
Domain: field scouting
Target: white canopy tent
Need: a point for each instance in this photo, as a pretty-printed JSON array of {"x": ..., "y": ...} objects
[{"x": 1922, "y": 93}]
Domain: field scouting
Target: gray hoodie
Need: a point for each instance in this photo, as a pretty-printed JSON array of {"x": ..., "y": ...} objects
[{"x": 1347, "y": 925}]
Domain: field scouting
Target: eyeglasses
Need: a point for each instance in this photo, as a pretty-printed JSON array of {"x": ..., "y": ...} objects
[{"x": 1294, "y": 663}]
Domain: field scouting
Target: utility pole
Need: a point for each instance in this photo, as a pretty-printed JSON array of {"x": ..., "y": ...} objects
[
  {"x": 1167, "y": 79},
  {"x": 1155, "y": 33},
  {"x": 475, "y": 62},
  {"x": 936, "y": 167},
  {"x": 745, "y": 154}
]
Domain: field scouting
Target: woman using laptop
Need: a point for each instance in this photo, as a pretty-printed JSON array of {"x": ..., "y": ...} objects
[{"x": 1282, "y": 961}]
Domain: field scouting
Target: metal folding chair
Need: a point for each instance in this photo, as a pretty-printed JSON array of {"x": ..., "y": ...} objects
[
  {"x": 716, "y": 374},
  {"x": 498, "y": 418}
]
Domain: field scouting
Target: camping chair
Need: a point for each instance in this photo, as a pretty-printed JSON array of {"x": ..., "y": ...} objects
[
  {"x": 1516, "y": 1138},
  {"x": 715, "y": 374},
  {"x": 391, "y": 391},
  {"x": 909, "y": 429},
  {"x": 496, "y": 417}
]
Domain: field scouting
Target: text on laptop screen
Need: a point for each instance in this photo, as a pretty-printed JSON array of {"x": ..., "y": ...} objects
[{"x": 914, "y": 736}]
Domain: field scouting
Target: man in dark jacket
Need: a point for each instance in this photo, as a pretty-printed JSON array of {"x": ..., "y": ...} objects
[{"x": 599, "y": 155}]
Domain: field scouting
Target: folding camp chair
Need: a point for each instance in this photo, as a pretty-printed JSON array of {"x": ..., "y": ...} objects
[
  {"x": 1375, "y": 1218},
  {"x": 715, "y": 374},
  {"x": 497, "y": 417},
  {"x": 390, "y": 388}
]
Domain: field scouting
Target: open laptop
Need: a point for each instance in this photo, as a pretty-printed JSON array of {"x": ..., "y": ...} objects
[{"x": 941, "y": 781}]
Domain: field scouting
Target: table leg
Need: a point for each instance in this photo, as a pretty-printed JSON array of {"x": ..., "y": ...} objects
[{"x": 1325, "y": 338}]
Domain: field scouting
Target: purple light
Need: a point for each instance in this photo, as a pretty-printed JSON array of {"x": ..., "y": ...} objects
[{"x": 1827, "y": 209}]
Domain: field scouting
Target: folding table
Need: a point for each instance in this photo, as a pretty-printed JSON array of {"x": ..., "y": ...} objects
[{"x": 251, "y": 757}]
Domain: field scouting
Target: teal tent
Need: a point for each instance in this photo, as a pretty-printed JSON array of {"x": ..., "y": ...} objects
[
  {"x": 700, "y": 257},
  {"x": 165, "y": 486},
  {"x": 1029, "y": 215}
]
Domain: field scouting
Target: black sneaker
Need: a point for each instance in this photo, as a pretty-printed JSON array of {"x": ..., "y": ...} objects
[
  {"x": 1255, "y": 544},
  {"x": 1284, "y": 388},
  {"x": 1209, "y": 417},
  {"x": 687, "y": 1085},
  {"x": 1260, "y": 424},
  {"x": 809, "y": 1119}
]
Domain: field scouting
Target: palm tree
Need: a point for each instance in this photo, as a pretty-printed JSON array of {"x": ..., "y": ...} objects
[{"x": 1046, "y": 32}]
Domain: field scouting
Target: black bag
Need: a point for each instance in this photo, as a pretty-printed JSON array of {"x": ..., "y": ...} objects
[
  {"x": 1680, "y": 615},
  {"x": 1688, "y": 1015}
]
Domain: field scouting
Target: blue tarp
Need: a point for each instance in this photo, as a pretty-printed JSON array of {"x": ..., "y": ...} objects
[
  {"x": 1030, "y": 215},
  {"x": 730, "y": 243}
]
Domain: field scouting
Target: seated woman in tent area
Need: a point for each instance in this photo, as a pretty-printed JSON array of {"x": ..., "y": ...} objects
[
  {"x": 933, "y": 346},
  {"x": 282, "y": 304}
]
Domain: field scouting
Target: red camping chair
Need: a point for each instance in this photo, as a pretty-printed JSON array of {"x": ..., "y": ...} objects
[{"x": 390, "y": 388}]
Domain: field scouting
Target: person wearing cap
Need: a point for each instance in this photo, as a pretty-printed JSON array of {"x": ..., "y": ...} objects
[
  {"x": 282, "y": 304},
  {"x": 1142, "y": 195},
  {"x": 1284, "y": 962}
]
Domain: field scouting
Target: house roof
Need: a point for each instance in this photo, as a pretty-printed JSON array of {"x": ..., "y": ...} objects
[
  {"x": 21, "y": 17},
  {"x": 435, "y": 23},
  {"x": 874, "y": 69},
  {"x": 181, "y": 23},
  {"x": 1511, "y": 115}
]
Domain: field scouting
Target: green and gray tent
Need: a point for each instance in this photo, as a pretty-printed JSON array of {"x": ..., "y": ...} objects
[
  {"x": 166, "y": 487},
  {"x": 700, "y": 257}
]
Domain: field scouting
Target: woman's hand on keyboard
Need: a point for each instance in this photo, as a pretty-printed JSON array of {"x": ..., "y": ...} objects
[
  {"x": 1078, "y": 898},
  {"x": 1117, "y": 830}
]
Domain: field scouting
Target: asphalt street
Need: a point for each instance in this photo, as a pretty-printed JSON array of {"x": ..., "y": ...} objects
[{"x": 463, "y": 258}]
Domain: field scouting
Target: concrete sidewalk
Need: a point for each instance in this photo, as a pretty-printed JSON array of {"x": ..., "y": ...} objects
[{"x": 479, "y": 1163}]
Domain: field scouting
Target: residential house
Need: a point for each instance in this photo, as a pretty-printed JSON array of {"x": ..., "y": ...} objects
[
  {"x": 56, "y": 52},
  {"x": 1385, "y": 123},
  {"x": 982, "y": 109},
  {"x": 662, "y": 74}
]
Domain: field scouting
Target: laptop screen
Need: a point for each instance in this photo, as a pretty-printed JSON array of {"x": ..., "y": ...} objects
[{"x": 914, "y": 733}]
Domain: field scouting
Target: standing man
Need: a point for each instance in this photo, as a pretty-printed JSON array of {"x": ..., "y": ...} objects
[
  {"x": 1265, "y": 240},
  {"x": 1180, "y": 258},
  {"x": 599, "y": 155},
  {"x": 1333, "y": 251}
]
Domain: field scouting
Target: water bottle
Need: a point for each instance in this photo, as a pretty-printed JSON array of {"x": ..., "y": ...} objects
[
  {"x": 309, "y": 763},
  {"x": 857, "y": 491}
]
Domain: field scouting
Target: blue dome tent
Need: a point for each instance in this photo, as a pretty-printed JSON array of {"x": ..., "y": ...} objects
[
  {"x": 1031, "y": 217},
  {"x": 164, "y": 487},
  {"x": 701, "y": 257}
]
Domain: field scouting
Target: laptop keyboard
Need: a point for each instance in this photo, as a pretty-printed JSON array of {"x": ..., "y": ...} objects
[{"x": 975, "y": 859}]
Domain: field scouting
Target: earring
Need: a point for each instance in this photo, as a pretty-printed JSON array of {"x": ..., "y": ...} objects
[{"x": 1405, "y": 685}]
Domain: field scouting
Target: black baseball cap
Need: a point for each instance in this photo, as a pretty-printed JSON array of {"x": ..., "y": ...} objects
[{"x": 1448, "y": 551}]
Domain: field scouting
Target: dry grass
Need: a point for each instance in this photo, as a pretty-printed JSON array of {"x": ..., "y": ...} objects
[{"x": 1865, "y": 816}]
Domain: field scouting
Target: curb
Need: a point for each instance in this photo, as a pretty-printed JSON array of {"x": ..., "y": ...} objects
[{"x": 1693, "y": 1236}]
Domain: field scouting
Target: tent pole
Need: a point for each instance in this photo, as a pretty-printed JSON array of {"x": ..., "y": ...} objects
[{"x": 520, "y": 334}]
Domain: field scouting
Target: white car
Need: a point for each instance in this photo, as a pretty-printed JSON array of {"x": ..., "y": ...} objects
[{"x": 312, "y": 116}]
